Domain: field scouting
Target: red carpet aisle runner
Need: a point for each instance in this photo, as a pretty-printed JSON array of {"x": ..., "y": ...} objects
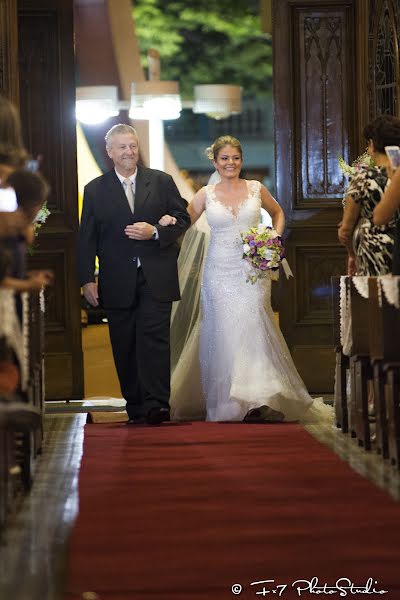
[{"x": 185, "y": 511}]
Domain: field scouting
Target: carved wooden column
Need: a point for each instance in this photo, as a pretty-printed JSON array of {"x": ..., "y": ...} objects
[
  {"x": 8, "y": 50},
  {"x": 383, "y": 59}
]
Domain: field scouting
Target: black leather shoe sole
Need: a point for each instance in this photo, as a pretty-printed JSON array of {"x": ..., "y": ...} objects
[{"x": 136, "y": 421}]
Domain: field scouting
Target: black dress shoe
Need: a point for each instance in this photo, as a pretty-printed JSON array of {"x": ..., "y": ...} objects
[
  {"x": 136, "y": 421},
  {"x": 157, "y": 415}
]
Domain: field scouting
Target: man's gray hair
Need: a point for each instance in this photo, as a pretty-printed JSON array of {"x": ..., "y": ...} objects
[{"x": 116, "y": 129}]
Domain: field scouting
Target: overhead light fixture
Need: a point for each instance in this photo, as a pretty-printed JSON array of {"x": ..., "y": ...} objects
[
  {"x": 96, "y": 103},
  {"x": 217, "y": 101},
  {"x": 155, "y": 99}
]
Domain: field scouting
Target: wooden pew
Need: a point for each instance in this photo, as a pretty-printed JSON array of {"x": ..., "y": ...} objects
[
  {"x": 360, "y": 367},
  {"x": 380, "y": 316},
  {"x": 391, "y": 368},
  {"x": 21, "y": 410},
  {"x": 35, "y": 386},
  {"x": 341, "y": 362}
]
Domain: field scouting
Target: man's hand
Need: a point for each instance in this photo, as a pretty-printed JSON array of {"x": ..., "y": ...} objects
[
  {"x": 91, "y": 293},
  {"x": 139, "y": 231},
  {"x": 167, "y": 220}
]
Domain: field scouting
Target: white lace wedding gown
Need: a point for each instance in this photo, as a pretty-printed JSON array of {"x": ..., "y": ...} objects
[{"x": 235, "y": 358}]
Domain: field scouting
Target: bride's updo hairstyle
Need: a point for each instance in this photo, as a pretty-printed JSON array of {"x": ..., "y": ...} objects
[{"x": 224, "y": 140}]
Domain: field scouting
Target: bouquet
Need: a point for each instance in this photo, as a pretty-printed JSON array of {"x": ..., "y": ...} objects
[
  {"x": 364, "y": 160},
  {"x": 41, "y": 218},
  {"x": 263, "y": 252},
  {"x": 355, "y": 167}
]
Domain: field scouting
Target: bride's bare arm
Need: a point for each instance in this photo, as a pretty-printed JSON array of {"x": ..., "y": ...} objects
[
  {"x": 197, "y": 205},
  {"x": 195, "y": 209},
  {"x": 275, "y": 211}
]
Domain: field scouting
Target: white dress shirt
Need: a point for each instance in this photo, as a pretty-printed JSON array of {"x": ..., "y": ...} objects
[{"x": 133, "y": 183}]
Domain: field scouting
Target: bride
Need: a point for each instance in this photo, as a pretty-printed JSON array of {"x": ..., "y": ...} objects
[{"x": 230, "y": 360}]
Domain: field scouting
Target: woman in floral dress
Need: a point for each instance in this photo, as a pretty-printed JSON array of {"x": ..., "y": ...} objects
[{"x": 370, "y": 246}]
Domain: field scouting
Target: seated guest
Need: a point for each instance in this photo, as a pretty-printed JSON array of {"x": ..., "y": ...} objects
[
  {"x": 31, "y": 190},
  {"x": 370, "y": 247},
  {"x": 11, "y": 158},
  {"x": 12, "y": 223}
]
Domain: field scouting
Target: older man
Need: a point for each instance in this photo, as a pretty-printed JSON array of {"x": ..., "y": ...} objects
[{"x": 138, "y": 277}]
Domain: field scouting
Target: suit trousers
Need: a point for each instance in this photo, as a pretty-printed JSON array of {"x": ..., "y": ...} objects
[{"x": 140, "y": 339}]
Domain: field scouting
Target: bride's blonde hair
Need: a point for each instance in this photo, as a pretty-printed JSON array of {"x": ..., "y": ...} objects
[{"x": 224, "y": 140}]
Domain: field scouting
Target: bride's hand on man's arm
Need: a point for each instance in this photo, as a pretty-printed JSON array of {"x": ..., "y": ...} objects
[
  {"x": 167, "y": 220},
  {"x": 195, "y": 209}
]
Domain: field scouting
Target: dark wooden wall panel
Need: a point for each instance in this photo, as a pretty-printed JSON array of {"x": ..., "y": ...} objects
[
  {"x": 315, "y": 106},
  {"x": 320, "y": 104},
  {"x": 47, "y": 101},
  {"x": 336, "y": 66},
  {"x": 383, "y": 57}
]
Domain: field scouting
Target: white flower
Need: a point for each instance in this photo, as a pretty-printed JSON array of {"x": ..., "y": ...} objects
[
  {"x": 246, "y": 248},
  {"x": 269, "y": 254},
  {"x": 261, "y": 228}
]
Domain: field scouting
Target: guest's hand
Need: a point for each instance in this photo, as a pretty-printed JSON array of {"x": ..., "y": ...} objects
[
  {"x": 37, "y": 280},
  {"x": 351, "y": 266},
  {"x": 344, "y": 235},
  {"x": 46, "y": 274},
  {"x": 91, "y": 293},
  {"x": 139, "y": 231},
  {"x": 29, "y": 234},
  {"x": 167, "y": 220}
]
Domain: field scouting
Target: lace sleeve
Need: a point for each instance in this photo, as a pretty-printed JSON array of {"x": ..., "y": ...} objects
[
  {"x": 209, "y": 188},
  {"x": 254, "y": 187}
]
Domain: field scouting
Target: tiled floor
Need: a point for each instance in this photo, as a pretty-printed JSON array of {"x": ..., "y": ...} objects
[{"x": 32, "y": 550}]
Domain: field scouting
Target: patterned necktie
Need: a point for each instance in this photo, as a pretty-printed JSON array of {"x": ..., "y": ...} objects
[{"x": 129, "y": 194}]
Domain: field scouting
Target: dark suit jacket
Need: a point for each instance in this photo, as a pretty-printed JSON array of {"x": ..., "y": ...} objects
[{"x": 105, "y": 215}]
